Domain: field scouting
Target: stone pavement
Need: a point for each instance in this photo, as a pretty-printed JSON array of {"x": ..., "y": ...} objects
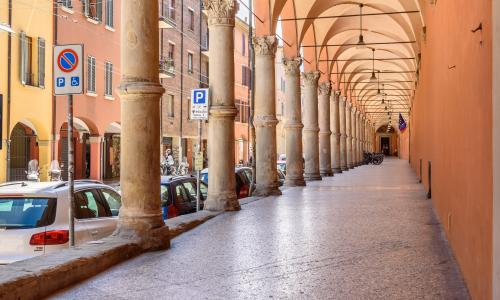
[{"x": 369, "y": 233}]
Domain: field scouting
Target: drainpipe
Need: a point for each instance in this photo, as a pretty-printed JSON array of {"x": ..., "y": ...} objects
[
  {"x": 251, "y": 56},
  {"x": 54, "y": 102},
  {"x": 9, "y": 90},
  {"x": 182, "y": 82}
]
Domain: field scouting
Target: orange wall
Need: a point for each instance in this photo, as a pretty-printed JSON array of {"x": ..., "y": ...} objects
[
  {"x": 404, "y": 143},
  {"x": 451, "y": 126}
]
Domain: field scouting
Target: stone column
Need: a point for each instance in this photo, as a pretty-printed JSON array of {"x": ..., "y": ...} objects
[
  {"x": 359, "y": 140},
  {"x": 353, "y": 140},
  {"x": 348, "y": 125},
  {"x": 343, "y": 133},
  {"x": 293, "y": 123},
  {"x": 335, "y": 137},
  {"x": 311, "y": 129},
  {"x": 265, "y": 116},
  {"x": 325, "y": 150},
  {"x": 140, "y": 91},
  {"x": 221, "y": 180}
]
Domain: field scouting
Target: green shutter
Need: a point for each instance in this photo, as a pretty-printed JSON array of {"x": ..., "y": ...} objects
[{"x": 41, "y": 62}]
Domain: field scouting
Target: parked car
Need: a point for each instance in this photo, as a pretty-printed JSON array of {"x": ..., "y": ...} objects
[
  {"x": 34, "y": 216},
  {"x": 281, "y": 164},
  {"x": 178, "y": 195},
  {"x": 243, "y": 178}
]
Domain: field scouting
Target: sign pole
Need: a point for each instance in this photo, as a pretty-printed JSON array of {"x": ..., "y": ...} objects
[
  {"x": 71, "y": 182},
  {"x": 198, "y": 171}
]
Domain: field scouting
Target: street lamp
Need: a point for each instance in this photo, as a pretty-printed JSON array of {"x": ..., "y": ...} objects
[
  {"x": 361, "y": 42},
  {"x": 373, "y": 78}
]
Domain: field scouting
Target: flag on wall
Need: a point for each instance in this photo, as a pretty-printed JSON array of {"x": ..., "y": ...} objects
[{"x": 402, "y": 123}]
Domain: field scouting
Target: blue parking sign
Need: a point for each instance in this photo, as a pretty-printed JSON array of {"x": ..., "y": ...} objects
[
  {"x": 200, "y": 96},
  {"x": 75, "y": 81},
  {"x": 60, "y": 81}
]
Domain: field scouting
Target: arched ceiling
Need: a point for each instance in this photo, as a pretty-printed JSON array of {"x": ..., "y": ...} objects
[{"x": 326, "y": 32}]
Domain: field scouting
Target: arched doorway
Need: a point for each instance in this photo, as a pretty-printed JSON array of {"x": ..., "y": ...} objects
[
  {"x": 112, "y": 150},
  {"x": 387, "y": 141},
  {"x": 82, "y": 153},
  {"x": 23, "y": 148}
]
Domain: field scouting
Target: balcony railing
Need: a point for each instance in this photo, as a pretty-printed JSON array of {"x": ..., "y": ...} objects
[
  {"x": 167, "y": 68},
  {"x": 167, "y": 15}
]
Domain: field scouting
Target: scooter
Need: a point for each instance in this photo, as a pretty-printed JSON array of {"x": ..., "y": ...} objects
[
  {"x": 33, "y": 173},
  {"x": 55, "y": 171}
]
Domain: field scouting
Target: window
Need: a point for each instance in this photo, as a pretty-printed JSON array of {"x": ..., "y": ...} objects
[
  {"x": 114, "y": 201},
  {"x": 32, "y": 70},
  {"x": 91, "y": 74},
  {"x": 246, "y": 75},
  {"x": 171, "y": 10},
  {"x": 171, "y": 51},
  {"x": 243, "y": 44},
  {"x": 282, "y": 84},
  {"x": 181, "y": 195},
  {"x": 164, "y": 196},
  {"x": 27, "y": 212},
  {"x": 170, "y": 105},
  {"x": 203, "y": 190},
  {"x": 88, "y": 206},
  {"x": 190, "y": 188},
  {"x": 66, "y": 3},
  {"x": 237, "y": 103},
  {"x": 191, "y": 19},
  {"x": 108, "y": 79},
  {"x": 190, "y": 62},
  {"x": 109, "y": 13},
  {"x": 93, "y": 9}
]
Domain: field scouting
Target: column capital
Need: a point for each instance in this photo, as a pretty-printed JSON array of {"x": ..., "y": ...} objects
[
  {"x": 292, "y": 65},
  {"x": 265, "y": 45},
  {"x": 325, "y": 88},
  {"x": 311, "y": 78},
  {"x": 221, "y": 12}
]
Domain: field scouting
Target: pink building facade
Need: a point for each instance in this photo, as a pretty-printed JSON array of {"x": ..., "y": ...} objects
[{"x": 96, "y": 137}]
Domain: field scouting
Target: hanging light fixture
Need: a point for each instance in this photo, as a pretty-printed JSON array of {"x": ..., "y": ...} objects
[
  {"x": 373, "y": 78},
  {"x": 379, "y": 93},
  {"x": 361, "y": 42}
]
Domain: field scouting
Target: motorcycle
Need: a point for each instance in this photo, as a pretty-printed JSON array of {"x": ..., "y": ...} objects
[
  {"x": 373, "y": 158},
  {"x": 33, "y": 172}
]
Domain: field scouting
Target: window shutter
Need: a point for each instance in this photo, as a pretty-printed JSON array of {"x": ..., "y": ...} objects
[
  {"x": 41, "y": 62},
  {"x": 243, "y": 75},
  {"x": 86, "y": 8},
  {"x": 99, "y": 10},
  {"x": 24, "y": 58}
]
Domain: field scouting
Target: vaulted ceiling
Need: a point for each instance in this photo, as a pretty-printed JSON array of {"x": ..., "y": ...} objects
[{"x": 326, "y": 34}]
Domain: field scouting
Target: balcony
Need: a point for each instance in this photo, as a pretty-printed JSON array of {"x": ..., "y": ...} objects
[
  {"x": 167, "y": 68},
  {"x": 167, "y": 16}
]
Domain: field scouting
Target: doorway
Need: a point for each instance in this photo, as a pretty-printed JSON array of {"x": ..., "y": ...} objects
[{"x": 385, "y": 145}]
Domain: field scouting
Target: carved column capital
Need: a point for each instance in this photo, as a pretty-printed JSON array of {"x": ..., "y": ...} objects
[
  {"x": 221, "y": 12},
  {"x": 291, "y": 66},
  {"x": 311, "y": 78},
  {"x": 265, "y": 45},
  {"x": 325, "y": 88}
]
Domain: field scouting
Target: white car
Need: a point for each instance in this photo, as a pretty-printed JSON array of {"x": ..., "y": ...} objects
[{"x": 34, "y": 216}]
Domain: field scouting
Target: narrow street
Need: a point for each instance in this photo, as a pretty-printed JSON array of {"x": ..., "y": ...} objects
[{"x": 367, "y": 234}]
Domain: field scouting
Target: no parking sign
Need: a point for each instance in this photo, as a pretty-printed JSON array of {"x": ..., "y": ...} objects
[{"x": 68, "y": 70}]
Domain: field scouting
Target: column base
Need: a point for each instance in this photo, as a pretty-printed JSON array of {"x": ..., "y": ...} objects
[
  {"x": 326, "y": 173},
  {"x": 150, "y": 239},
  {"x": 291, "y": 182},
  {"x": 337, "y": 171},
  {"x": 226, "y": 201},
  {"x": 266, "y": 191},
  {"x": 313, "y": 177}
]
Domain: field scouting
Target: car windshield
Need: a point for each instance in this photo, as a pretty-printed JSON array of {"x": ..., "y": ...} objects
[{"x": 20, "y": 213}]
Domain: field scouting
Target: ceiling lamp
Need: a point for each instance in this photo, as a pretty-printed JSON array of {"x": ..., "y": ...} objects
[
  {"x": 386, "y": 108},
  {"x": 361, "y": 42},
  {"x": 373, "y": 78},
  {"x": 379, "y": 93}
]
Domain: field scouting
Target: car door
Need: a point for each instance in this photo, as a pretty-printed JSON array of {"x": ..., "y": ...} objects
[
  {"x": 92, "y": 213},
  {"x": 182, "y": 200},
  {"x": 190, "y": 186}
]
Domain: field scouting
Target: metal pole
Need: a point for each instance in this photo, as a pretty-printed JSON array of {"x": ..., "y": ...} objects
[
  {"x": 252, "y": 100},
  {"x": 198, "y": 170},
  {"x": 71, "y": 183}
]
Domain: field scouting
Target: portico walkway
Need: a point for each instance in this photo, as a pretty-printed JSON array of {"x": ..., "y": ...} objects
[{"x": 369, "y": 233}]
